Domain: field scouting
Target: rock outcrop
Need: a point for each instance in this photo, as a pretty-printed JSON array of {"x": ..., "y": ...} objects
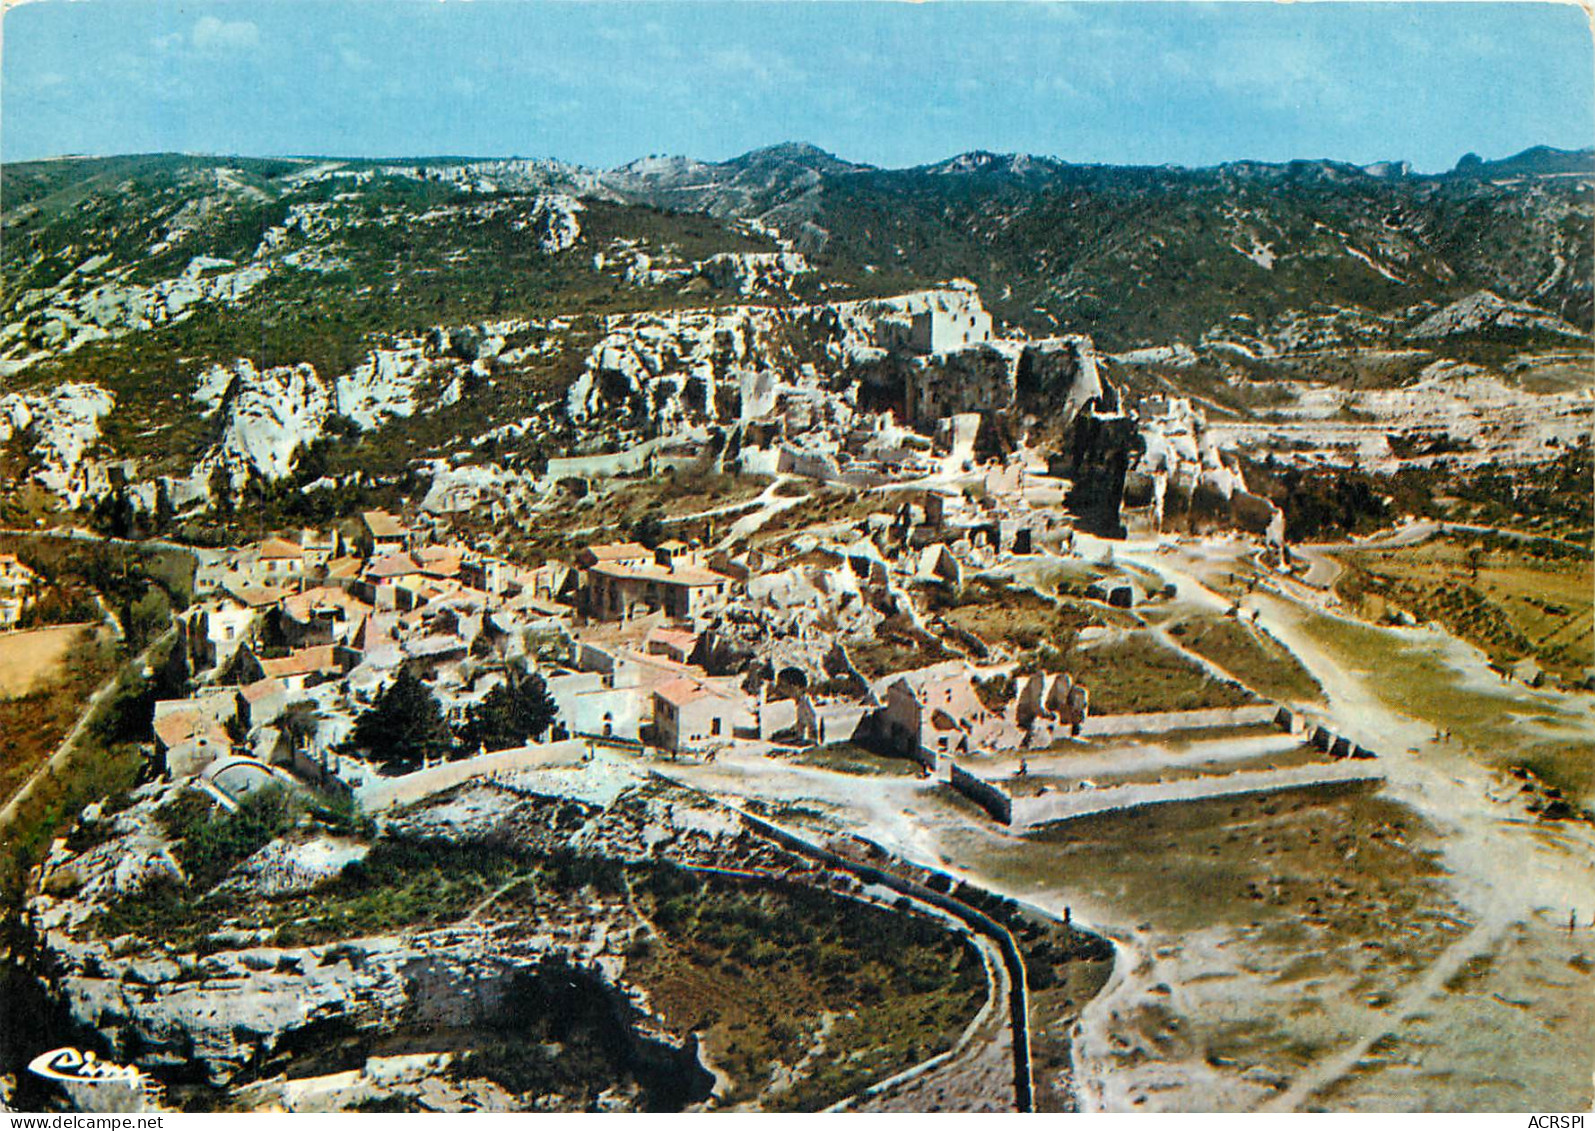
[
  {"x": 61, "y": 427},
  {"x": 553, "y": 220},
  {"x": 1484, "y": 311},
  {"x": 267, "y": 416},
  {"x": 67, "y": 316},
  {"x": 657, "y": 373}
]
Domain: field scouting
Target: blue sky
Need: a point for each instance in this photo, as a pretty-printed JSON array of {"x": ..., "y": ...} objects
[{"x": 888, "y": 83}]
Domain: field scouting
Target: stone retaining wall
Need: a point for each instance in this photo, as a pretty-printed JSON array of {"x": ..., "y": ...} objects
[
  {"x": 1179, "y": 720},
  {"x": 988, "y": 795},
  {"x": 1047, "y": 808},
  {"x": 386, "y": 792},
  {"x": 581, "y": 467}
]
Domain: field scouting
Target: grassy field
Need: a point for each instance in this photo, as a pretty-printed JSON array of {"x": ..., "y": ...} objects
[
  {"x": 1277, "y": 860},
  {"x": 777, "y": 979},
  {"x": 1501, "y": 724},
  {"x": 1136, "y": 673},
  {"x": 846, "y": 758},
  {"x": 1034, "y": 783},
  {"x": 1511, "y": 599},
  {"x": 1251, "y": 656},
  {"x": 1014, "y": 620},
  {"x": 1269, "y": 927},
  {"x": 826, "y": 506},
  {"x": 107, "y": 759},
  {"x": 617, "y": 506},
  {"x": 896, "y": 650}
]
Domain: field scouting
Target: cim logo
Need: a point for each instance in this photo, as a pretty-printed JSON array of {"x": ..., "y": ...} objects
[{"x": 1556, "y": 1122}]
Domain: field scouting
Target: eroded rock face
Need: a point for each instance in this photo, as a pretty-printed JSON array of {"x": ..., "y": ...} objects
[
  {"x": 80, "y": 309},
  {"x": 62, "y": 426},
  {"x": 1100, "y": 452},
  {"x": 268, "y": 416},
  {"x": 793, "y": 620},
  {"x": 553, "y": 220},
  {"x": 383, "y": 385},
  {"x": 659, "y": 373},
  {"x": 752, "y": 272},
  {"x": 244, "y": 1003}
]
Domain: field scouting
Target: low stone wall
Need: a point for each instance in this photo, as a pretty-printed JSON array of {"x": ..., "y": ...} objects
[
  {"x": 1047, "y": 808},
  {"x": 614, "y": 463},
  {"x": 1212, "y": 717},
  {"x": 988, "y": 795},
  {"x": 386, "y": 792}
]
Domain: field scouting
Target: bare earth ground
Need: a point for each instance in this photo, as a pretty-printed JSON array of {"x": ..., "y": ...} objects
[{"x": 28, "y": 658}]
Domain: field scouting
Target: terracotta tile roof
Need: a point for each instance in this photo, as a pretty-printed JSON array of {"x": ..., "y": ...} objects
[
  {"x": 393, "y": 565},
  {"x": 383, "y": 525},
  {"x": 674, "y": 638},
  {"x": 442, "y": 561},
  {"x": 256, "y": 596},
  {"x": 185, "y": 726},
  {"x": 613, "y": 552},
  {"x": 261, "y": 688},
  {"x": 680, "y": 692},
  {"x": 279, "y": 548},
  {"x": 305, "y": 661},
  {"x": 300, "y": 605},
  {"x": 688, "y": 576}
]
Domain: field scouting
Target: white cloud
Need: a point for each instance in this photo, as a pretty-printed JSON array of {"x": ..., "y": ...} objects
[{"x": 212, "y": 34}]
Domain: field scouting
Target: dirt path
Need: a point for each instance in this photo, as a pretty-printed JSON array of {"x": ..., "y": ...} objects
[
  {"x": 1091, "y": 1046},
  {"x": 202, "y": 554},
  {"x": 769, "y": 505},
  {"x": 976, "y": 1076},
  {"x": 1413, "y": 1000}
]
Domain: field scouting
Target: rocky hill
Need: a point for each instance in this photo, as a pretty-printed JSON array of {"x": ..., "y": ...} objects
[
  {"x": 261, "y": 318},
  {"x": 1138, "y": 255}
]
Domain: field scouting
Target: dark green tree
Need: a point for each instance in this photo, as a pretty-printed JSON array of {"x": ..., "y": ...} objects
[
  {"x": 513, "y": 713},
  {"x": 404, "y": 726},
  {"x": 114, "y": 513},
  {"x": 221, "y": 492},
  {"x": 165, "y": 512},
  {"x": 299, "y": 723}
]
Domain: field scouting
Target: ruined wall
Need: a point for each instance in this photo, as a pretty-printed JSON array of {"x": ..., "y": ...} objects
[
  {"x": 990, "y": 797},
  {"x": 982, "y": 378},
  {"x": 384, "y": 792},
  {"x": 1096, "y": 458}
]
